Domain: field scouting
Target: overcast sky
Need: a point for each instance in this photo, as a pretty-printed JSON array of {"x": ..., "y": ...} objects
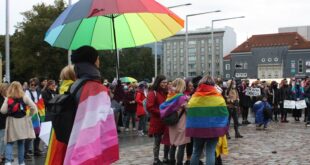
[{"x": 262, "y": 16}]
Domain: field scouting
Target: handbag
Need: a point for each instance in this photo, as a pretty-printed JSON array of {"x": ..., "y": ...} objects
[{"x": 173, "y": 118}]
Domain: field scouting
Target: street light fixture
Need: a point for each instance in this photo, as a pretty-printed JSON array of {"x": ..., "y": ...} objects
[
  {"x": 186, "y": 37},
  {"x": 7, "y": 43},
  {"x": 155, "y": 52},
  {"x": 69, "y": 51},
  {"x": 212, "y": 39}
]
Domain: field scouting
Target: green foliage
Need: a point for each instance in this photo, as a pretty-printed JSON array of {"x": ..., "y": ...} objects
[
  {"x": 134, "y": 62},
  {"x": 31, "y": 56}
]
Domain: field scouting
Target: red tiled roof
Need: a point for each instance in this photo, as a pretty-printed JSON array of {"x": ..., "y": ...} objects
[
  {"x": 291, "y": 39},
  {"x": 227, "y": 57}
]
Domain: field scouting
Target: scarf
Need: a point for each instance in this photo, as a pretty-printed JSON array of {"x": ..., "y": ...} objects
[
  {"x": 207, "y": 115},
  {"x": 173, "y": 102}
]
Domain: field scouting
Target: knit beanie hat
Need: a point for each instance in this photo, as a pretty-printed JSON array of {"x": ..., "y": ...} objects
[{"x": 84, "y": 54}]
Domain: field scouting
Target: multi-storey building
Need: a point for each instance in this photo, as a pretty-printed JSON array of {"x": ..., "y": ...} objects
[
  {"x": 199, "y": 52},
  {"x": 269, "y": 56},
  {"x": 304, "y": 31}
]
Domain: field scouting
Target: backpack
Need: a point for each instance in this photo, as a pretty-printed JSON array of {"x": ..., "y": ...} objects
[
  {"x": 173, "y": 118},
  {"x": 16, "y": 107},
  {"x": 63, "y": 109}
]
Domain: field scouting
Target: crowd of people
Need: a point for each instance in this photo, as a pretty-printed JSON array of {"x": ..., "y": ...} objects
[{"x": 186, "y": 116}]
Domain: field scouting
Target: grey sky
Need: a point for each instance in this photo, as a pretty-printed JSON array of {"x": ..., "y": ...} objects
[{"x": 262, "y": 16}]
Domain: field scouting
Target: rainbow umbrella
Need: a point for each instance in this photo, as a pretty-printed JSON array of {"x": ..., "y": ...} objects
[
  {"x": 128, "y": 80},
  {"x": 112, "y": 24}
]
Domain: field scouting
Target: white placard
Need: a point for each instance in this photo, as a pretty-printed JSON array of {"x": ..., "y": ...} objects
[
  {"x": 46, "y": 128},
  {"x": 289, "y": 104},
  {"x": 253, "y": 92},
  {"x": 301, "y": 104}
]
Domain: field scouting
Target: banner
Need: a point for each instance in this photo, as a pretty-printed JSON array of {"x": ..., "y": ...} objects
[
  {"x": 289, "y": 104},
  {"x": 253, "y": 92},
  {"x": 301, "y": 104}
]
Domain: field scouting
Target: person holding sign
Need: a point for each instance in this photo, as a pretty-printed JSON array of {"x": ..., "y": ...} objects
[
  {"x": 298, "y": 94},
  {"x": 284, "y": 94}
]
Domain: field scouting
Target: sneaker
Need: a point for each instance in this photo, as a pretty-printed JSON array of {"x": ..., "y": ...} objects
[
  {"x": 166, "y": 161},
  {"x": 308, "y": 124},
  {"x": 28, "y": 157},
  {"x": 140, "y": 133},
  {"x": 38, "y": 154},
  {"x": 134, "y": 129},
  {"x": 157, "y": 162},
  {"x": 127, "y": 129}
]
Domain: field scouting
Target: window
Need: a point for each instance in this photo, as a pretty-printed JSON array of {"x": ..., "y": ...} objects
[
  {"x": 203, "y": 50},
  {"x": 227, "y": 66},
  {"x": 217, "y": 40},
  {"x": 181, "y": 44},
  {"x": 192, "y": 42},
  {"x": 300, "y": 66},
  {"x": 192, "y": 66},
  {"x": 181, "y": 52},
  {"x": 192, "y": 73},
  {"x": 202, "y": 58},
  {"x": 227, "y": 76},
  {"x": 192, "y": 50},
  {"x": 245, "y": 65},
  {"x": 192, "y": 58},
  {"x": 202, "y": 42}
]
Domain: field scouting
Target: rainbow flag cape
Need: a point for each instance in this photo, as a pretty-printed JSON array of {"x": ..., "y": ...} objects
[
  {"x": 172, "y": 103},
  {"x": 207, "y": 114},
  {"x": 57, "y": 150},
  {"x": 94, "y": 137}
]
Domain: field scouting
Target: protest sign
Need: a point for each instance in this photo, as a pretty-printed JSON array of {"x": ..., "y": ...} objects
[
  {"x": 289, "y": 104},
  {"x": 253, "y": 92},
  {"x": 301, "y": 104}
]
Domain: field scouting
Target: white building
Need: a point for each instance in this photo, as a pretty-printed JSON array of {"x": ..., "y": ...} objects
[
  {"x": 304, "y": 31},
  {"x": 199, "y": 52}
]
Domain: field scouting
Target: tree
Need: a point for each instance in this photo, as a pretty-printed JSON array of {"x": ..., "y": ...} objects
[
  {"x": 134, "y": 62},
  {"x": 31, "y": 56}
]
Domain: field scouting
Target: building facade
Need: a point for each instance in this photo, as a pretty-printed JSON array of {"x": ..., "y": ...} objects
[
  {"x": 199, "y": 52},
  {"x": 270, "y": 56},
  {"x": 304, "y": 31}
]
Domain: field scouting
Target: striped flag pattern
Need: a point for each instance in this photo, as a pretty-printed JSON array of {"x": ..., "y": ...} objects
[
  {"x": 94, "y": 137},
  {"x": 207, "y": 114}
]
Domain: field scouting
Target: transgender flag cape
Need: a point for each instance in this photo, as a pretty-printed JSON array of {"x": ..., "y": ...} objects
[
  {"x": 93, "y": 139},
  {"x": 207, "y": 114}
]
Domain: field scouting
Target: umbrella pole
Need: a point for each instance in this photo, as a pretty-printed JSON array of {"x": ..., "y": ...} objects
[{"x": 116, "y": 54}]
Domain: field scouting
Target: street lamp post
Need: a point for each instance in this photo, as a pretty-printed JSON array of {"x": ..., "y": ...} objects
[
  {"x": 155, "y": 46},
  {"x": 69, "y": 51},
  {"x": 7, "y": 44},
  {"x": 212, "y": 39},
  {"x": 186, "y": 37}
]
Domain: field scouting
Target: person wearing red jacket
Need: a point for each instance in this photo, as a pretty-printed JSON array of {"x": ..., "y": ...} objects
[
  {"x": 155, "y": 97},
  {"x": 140, "y": 99}
]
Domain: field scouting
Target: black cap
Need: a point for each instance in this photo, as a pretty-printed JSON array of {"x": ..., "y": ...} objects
[{"x": 84, "y": 54}]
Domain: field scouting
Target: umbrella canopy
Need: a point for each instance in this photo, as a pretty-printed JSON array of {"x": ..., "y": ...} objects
[
  {"x": 128, "y": 79},
  {"x": 111, "y": 24}
]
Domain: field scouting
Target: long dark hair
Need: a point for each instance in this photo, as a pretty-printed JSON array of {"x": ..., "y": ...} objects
[{"x": 157, "y": 81}]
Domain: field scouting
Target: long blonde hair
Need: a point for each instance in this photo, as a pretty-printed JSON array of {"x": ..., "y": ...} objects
[
  {"x": 3, "y": 88},
  {"x": 67, "y": 73},
  {"x": 15, "y": 90},
  {"x": 179, "y": 85}
]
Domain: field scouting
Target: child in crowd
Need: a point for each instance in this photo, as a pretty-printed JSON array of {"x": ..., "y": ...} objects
[{"x": 263, "y": 113}]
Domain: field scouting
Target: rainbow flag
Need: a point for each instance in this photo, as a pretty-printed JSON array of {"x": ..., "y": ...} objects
[
  {"x": 172, "y": 103},
  {"x": 41, "y": 109},
  {"x": 94, "y": 137},
  {"x": 207, "y": 115}
]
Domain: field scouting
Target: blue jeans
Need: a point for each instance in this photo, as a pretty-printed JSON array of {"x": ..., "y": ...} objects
[
  {"x": 2, "y": 145},
  {"x": 130, "y": 115},
  {"x": 9, "y": 151},
  {"x": 199, "y": 143},
  {"x": 142, "y": 123}
]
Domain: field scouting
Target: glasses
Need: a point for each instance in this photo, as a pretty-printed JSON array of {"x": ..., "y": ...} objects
[{"x": 32, "y": 85}]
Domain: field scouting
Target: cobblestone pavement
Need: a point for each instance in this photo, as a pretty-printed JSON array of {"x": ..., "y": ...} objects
[{"x": 279, "y": 144}]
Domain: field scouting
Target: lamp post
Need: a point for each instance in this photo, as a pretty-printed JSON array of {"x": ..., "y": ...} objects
[
  {"x": 212, "y": 39},
  {"x": 155, "y": 52},
  {"x": 186, "y": 37},
  {"x": 7, "y": 43},
  {"x": 69, "y": 51}
]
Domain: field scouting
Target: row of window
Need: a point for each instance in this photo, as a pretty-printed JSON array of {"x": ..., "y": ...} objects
[
  {"x": 240, "y": 65},
  {"x": 173, "y": 45}
]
